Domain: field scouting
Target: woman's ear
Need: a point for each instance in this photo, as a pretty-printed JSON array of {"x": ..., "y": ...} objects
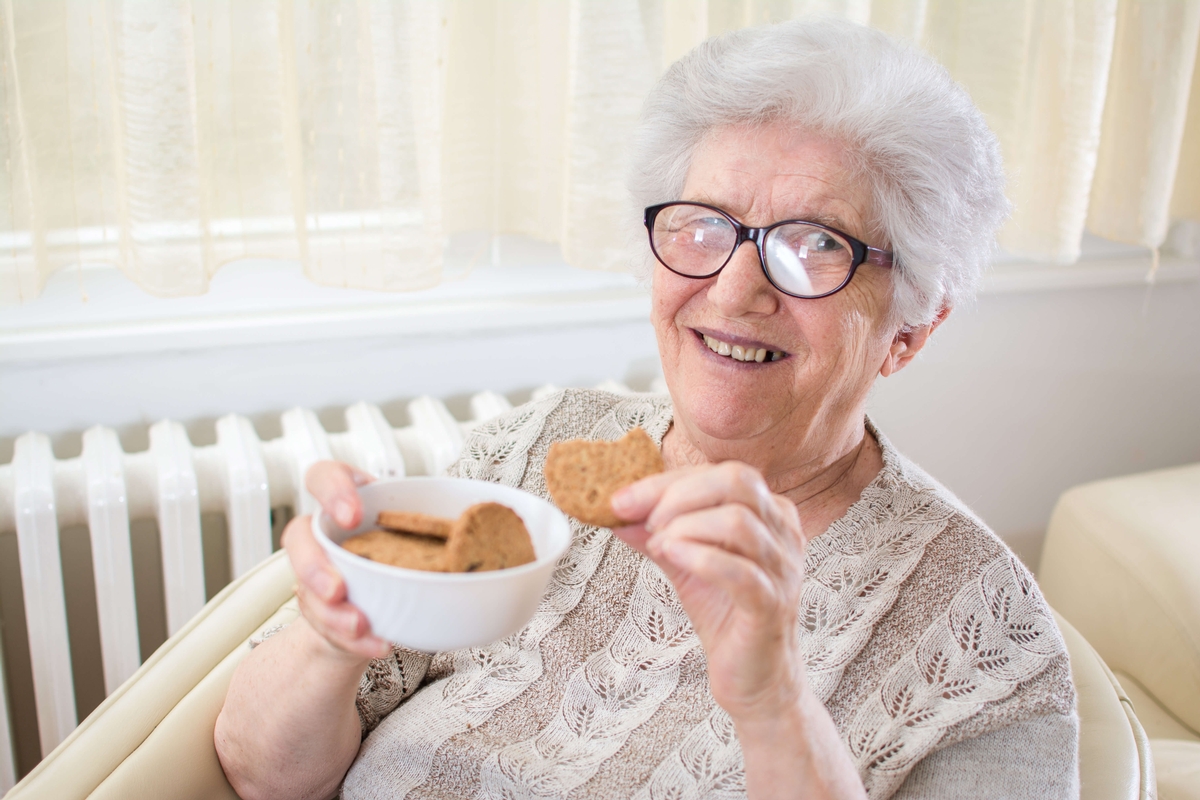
[{"x": 908, "y": 343}]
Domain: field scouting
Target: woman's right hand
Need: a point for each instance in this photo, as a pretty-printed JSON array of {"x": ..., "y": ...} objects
[{"x": 319, "y": 587}]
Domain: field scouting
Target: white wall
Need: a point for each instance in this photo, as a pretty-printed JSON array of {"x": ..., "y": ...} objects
[{"x": 1030, "y": 393}]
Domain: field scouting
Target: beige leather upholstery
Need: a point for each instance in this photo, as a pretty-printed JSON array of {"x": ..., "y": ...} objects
[
  {"x": 1114, "y": 753},
  {"x": 1158, "y": 722},
  {"x": 152, "y": 738},
  {"x": 1122, "y": 563},
  {"x": 1177, "y": 763}
]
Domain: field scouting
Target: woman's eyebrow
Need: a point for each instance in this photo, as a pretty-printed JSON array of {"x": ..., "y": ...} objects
[
  {"x": 738, "y": 210},
  {"x": 731, "y": 208},
  {"x": 828, "y": 220}
]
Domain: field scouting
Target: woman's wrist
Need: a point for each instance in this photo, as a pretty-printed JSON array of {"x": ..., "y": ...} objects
[
  {"x": 785, "y": 685},
  {"x": 315, "y": 649},
  {"x": 796, "y": 752},
  {"x": 787, "y": 713}
]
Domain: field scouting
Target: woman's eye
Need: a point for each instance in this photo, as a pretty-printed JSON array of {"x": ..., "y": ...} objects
[
  {"x": 824, "y": 243},
  {"x": 702, "y": 224}
]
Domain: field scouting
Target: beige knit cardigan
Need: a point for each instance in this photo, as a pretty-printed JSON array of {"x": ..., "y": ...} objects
[{"x": 926, "y": 639}]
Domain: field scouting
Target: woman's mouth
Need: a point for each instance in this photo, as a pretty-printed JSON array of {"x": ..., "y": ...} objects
[{"x": 740, "y": 352}]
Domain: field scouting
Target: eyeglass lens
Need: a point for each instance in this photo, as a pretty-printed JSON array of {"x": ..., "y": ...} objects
[{"x": 801, "y": 259}]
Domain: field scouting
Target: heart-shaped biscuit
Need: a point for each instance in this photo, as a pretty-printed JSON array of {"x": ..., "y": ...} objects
[{"x": 582, "y": 475}]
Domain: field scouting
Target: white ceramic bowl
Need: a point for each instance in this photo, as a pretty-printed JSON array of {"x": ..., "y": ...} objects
[{"x": 436, "y": 611}]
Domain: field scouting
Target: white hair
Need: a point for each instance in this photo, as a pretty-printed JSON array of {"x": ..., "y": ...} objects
[{"x": 912, "y": 135}]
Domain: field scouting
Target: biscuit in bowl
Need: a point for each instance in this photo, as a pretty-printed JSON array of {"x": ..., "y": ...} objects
[{"x": 486, "y": 536}]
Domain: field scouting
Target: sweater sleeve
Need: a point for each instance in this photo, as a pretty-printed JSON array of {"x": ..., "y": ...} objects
[
  {"x": 1037, "y": 759},
  {"x": 387, "y": 682}
]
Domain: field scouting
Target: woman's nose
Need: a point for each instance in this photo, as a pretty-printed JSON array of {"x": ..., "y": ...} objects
[{"x": 742, "y": 287}]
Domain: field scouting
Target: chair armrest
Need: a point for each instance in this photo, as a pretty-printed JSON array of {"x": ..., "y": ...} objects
[
  {"x": 1114, "y": 755},
  {"x": 1122, "y": 562},
  {"x": 153, "y": 736}
]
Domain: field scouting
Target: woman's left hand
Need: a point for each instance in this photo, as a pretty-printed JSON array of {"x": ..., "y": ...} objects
[{"x": 735, "y": 554}]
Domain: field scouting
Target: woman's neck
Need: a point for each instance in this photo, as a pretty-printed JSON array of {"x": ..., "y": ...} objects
[{"x": 823, "y": 477}]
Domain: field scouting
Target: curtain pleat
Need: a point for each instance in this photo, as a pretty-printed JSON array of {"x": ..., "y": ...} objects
[
  {"x": 173, "y": 136},
  {"x": 1038, "y": 72},
  {"x": 1185, "y": 202},
  {"x": 1142, "y": 133},
  {"x": 607, "y": 78}
]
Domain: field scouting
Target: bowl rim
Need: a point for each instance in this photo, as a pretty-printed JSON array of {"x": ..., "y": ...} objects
[{"x": 336, "y": 551}]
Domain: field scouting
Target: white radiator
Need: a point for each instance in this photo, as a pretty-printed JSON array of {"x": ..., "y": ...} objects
[{"x": 174, "y": 482}]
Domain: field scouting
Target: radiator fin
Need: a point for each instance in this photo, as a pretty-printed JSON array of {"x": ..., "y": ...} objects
[
  {"x": 112, "y": 559},
  {"x": 42, "y": 584},
  {"x": 247, "y": 493},
  {"x": 239, "y": 476}
]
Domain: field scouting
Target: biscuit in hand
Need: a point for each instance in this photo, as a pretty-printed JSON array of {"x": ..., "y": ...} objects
[{"x": 583, "y": 475}]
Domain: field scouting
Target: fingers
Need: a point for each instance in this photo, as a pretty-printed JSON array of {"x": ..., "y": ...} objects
[
  {"x": 322, "y": 595},
  {"x": 739, "y": 578},
  {"x": 635, "y": 501},
  {"x": 695, "y": 515},
  {"x": 313, "y": 569},
  {"x": 335, "y": 487},
  {"x": 731, "y": 527},
  {"x": 729, "y": 482},
  {"x": 657, "y": 500},
  {"x": 342, "y": 625}
]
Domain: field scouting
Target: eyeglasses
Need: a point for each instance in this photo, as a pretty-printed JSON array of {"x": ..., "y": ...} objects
[{"x": 801, "y": 259}]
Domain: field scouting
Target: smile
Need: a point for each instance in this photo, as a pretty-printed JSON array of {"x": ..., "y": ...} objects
[{"x": 739, "y": 353}]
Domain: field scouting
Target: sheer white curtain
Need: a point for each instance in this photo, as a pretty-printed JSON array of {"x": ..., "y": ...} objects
[{"x": 170, "y": 137}]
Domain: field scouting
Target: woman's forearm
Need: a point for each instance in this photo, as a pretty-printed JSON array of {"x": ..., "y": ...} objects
[
  {"x": 289, "y": 727},
  {"x": 797, "y": 754}
]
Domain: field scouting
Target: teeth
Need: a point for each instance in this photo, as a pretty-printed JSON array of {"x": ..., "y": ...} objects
[{"x": 736, "y": 351}]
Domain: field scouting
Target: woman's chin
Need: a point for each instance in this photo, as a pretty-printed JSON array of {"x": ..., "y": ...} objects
[{"x": 723, "y": 414}]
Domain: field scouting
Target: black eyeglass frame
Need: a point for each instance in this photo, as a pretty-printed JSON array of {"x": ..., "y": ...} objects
[{"x": 861, "y": 252}]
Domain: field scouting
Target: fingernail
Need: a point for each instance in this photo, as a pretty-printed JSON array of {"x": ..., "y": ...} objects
[
  {"x": 344, "y": 512},
  {"x": 622, "y": 499}
]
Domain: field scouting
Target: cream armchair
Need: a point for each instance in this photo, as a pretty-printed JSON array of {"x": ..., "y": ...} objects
[
  {"x": 153, "y": 738},
  {"x": 1121, "y": 562}
]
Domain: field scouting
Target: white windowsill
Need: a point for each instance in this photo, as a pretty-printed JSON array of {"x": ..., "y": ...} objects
[
  {"x": 264, "y": 302},
  {"x": 257, "y": 302}
]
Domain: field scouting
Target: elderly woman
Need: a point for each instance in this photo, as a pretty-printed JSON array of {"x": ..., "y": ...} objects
[{"x": 794, "y": 610}]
